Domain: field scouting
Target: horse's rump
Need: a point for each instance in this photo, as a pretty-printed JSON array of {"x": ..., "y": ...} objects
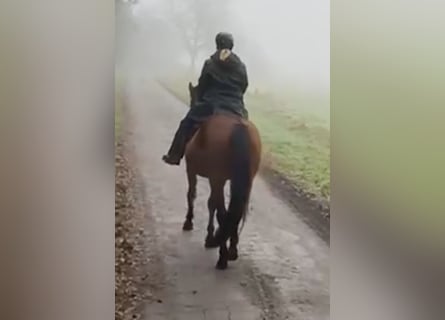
[{"x": 209, "y": 150}]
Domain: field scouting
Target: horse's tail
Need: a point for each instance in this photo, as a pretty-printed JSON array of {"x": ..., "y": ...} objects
[{"x": 241, "y": 181}]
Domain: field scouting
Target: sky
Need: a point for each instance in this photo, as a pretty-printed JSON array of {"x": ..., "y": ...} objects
[{"x": 294, "y": 35}]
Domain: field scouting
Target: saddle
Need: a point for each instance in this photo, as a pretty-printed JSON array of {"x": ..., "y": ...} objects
[
  {"x": 225, "y": 112},
  {"x": 216, "y": 111}
]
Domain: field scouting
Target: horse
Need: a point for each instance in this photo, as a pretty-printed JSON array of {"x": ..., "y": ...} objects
[{"x": 225, "y": 148}]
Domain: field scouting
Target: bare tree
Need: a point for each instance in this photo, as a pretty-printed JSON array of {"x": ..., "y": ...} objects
[{"x": 197, "y": 22}]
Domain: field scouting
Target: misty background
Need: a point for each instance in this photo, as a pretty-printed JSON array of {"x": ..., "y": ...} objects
[{"x": 284, "y": 44}]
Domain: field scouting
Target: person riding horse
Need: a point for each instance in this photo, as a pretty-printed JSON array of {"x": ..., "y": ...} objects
[{"x": 221, "y": 87}]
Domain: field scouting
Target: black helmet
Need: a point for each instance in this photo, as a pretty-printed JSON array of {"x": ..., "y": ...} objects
[{"x": 224, "y": 40}]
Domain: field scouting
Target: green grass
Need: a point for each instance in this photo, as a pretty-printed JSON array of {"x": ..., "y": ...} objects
[
  {"x": 296, "y": 144},
  {"x": 296, "y": 141}
]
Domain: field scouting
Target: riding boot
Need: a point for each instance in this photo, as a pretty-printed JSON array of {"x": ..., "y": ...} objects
[{"x": 177, "y": 148}]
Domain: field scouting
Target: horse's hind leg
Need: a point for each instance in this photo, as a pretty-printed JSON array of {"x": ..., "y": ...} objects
[
  {"x": 210, "y": 241},
  {"x": 223, "y": 257},
  {"x": 215, "y": 203},
  {"x": 191, "y": 195},
  {"x": 234, "y": 239},
  {"x": 220, "y": 216},
  {"x": 233, "y": 249}
]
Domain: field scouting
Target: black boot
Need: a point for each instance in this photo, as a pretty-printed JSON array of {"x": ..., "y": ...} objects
[{"x": 177, "y": 148}]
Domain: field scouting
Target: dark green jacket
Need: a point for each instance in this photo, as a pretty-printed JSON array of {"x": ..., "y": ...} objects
[{"x": 223, "y": 82}]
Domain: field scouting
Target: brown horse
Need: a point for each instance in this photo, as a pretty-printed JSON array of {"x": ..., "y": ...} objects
[{"x": 226, "y": 147}]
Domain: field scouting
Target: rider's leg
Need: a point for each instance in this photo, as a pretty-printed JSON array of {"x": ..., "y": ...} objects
[
  {"x": 177, "y": 148},
  {"x": 186, "y": 129}
]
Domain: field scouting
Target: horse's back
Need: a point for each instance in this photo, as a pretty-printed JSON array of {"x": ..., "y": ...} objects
[{"x": 209, "y": 151}]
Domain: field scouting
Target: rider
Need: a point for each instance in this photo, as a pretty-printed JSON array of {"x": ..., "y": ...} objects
[{"x": 221, "y": 86}]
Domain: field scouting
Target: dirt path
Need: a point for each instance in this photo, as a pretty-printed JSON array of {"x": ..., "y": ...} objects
[{"x": 283, "y": 269}]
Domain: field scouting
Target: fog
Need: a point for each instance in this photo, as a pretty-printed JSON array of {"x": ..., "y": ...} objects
[{"x": 284, "y": 44}]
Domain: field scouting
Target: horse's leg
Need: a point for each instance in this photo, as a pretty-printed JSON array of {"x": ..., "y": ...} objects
[
  {"x": 211, "y": 205},
  {"x": 234, "y": 239},
  {"x": 223, "y": 252},
  {"x": 223, "y": 256},
  {"x": 191, "y": 195},
  {"x": 220, "y": 216},
  {"x": 214, "y": 204},
  {"x": 233, "y": 250}
]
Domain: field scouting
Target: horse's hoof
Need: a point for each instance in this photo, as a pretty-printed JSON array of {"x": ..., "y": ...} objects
[
  {"x": 221, "y": 264},
  {"x": 211, "y": 243},
  {"x": 188, "y": 226},
  {"x": 233, "y": 254}
]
